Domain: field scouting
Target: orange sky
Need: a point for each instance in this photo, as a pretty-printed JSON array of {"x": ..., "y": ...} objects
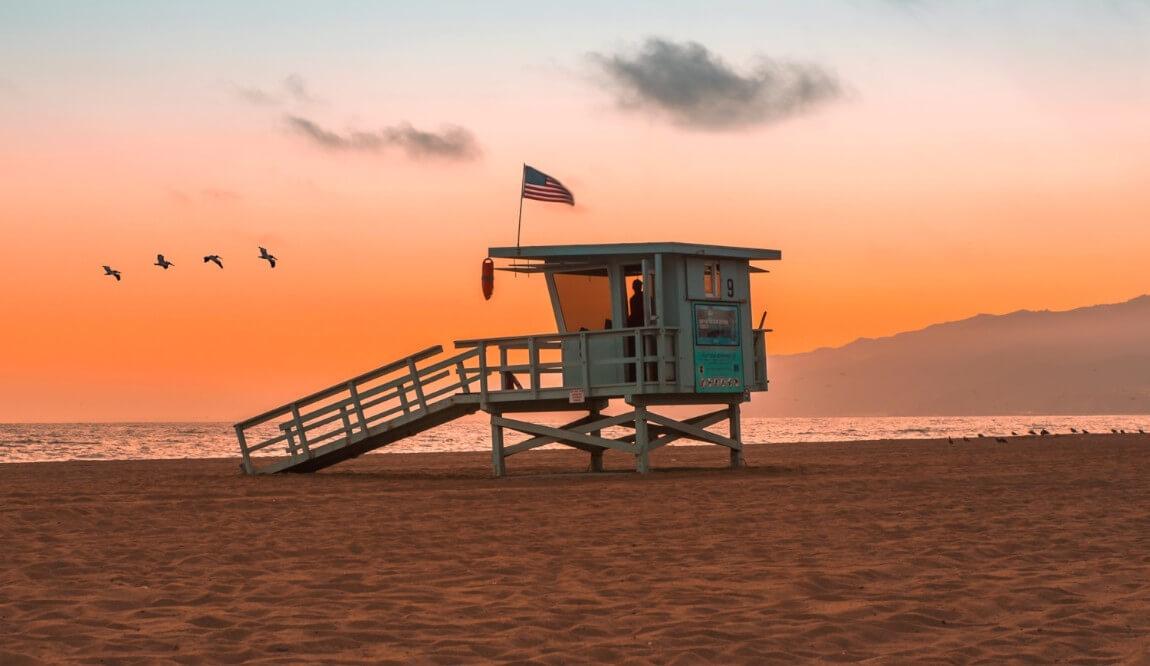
[{"x": 909, "y": 201}]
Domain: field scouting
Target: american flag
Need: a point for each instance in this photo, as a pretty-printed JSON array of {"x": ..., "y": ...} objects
[{"x": 541, "y": 187}]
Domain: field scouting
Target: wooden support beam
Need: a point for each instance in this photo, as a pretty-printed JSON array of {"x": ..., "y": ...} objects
[
  {"x": 642, "y": 452},
  {"x": 563, "y": 436},
  {"x": 693, "y": 431},
  {"x": 703, "y": 420},
  {"x": 596, "y": 454},
  {"x": 247, "y": 456},
  {"x": 497, "y": 463},
  {"x": 536, "y": 442},
  {"x": 736, "y": 436}
]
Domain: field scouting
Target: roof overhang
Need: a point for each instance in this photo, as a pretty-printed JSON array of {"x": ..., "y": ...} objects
[{"x": 591, "y": 253}]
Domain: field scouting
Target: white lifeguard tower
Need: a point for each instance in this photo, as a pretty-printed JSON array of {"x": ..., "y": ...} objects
[{"x": 688, "y": 340}]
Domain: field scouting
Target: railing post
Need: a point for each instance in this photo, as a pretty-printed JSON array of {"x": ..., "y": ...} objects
[
  {"x": 459, "y": 370},
  {"x": 290, "y": 438},
  {"x": 533, "y": 362},
  {"x": 504, "y": 380},
  {"x": 299, "y": 428},
  {"x": 585, "y": 356},
  {"x": 247, "y": 456},
  {"x": 416, "y": 383},
  {"x": 483, "y": 373},
  {"x": 401, "y": 390},
  {"x": 639, "y": 365},
  {"x": 358, "y": 406},
  {"x": 346, "y": 421}
]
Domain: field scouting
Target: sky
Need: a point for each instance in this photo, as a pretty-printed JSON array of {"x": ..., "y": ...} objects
[{"x": 915, "y": 161}]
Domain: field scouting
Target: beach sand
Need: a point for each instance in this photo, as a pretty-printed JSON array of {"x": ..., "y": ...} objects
[{"x": 1036, "y": 550}]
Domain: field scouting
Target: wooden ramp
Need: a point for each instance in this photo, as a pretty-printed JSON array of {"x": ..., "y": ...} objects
[{"x": 366, "y": 412}]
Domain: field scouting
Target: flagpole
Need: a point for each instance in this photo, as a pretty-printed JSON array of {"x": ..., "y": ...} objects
[{"x": 519, "y": 226}]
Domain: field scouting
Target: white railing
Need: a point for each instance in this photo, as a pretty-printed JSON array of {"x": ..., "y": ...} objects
[
  {"x": 352, "y": 409},
  {"x": 636, "y": 360}
]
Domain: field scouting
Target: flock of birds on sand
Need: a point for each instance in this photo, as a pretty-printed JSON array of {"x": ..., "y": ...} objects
[
  {"x": 1046, "y": 433},
  {"x": 163, "y": 263}
]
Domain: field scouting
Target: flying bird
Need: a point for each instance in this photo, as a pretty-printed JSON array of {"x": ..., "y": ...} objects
[
  {"x": 215, "y": 259},
  {"x": 108, "y": 270},
  {"x": 265, "y": 255},
  {"x": 162, "y": 262}
]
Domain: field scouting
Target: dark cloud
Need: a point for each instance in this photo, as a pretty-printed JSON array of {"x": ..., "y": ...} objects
[
  {"x": 452, "y": 143},
  {"x": 293, "y": 88},
  {"x": 696, "y": 88}
]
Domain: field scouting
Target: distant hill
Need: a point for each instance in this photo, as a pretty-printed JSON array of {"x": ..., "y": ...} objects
[{"x": 1092, "y": 360}]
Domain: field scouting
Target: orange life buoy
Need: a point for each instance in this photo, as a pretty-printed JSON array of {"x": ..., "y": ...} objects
[{"x": 488, "y": 278}]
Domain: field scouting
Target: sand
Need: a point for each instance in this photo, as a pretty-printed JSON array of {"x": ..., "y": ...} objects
[{"x": 1033, "y": 551}]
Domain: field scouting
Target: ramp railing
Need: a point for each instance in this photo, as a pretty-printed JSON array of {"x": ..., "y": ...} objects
[{"x": 355, "y": 409}]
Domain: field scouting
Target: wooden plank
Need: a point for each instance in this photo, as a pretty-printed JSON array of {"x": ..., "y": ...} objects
[{"x": 563, "y": 435}]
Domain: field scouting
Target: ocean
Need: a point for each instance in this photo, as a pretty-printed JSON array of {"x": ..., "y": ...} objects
[{"x": 38, "y": 442}]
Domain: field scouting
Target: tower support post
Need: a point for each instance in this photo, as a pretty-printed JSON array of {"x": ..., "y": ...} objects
[
  {"x": 498, "y": 467},
  {"x": 736, "y": 432},
  {"x": 596, "y": 453},
  {"x": 642, "y": 441}
]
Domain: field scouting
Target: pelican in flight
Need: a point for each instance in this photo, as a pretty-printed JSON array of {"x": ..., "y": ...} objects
[
  {"x": 162, "y": 262},
  {"x": 215, "y": 259},
  {"x": 264, "y": 254},
  {"x": 108, "y": 270}
]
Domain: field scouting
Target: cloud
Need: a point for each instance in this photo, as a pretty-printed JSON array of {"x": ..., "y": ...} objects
[
  {"x": 695, "y": 88},
  {"x": 292, "y": 88},
  {"x": 451, "y": 143}
]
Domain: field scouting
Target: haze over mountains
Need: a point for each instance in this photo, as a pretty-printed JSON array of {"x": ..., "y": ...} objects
[{"x": 1091, "y": 360}]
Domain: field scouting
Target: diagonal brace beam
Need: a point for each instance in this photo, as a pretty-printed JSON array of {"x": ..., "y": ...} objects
[
  {"x": 584, "y": 425},
  {"x": 703, "y": 420},
  {"x": 563, "y": 436},
  {"x": 696, "y": 431}
]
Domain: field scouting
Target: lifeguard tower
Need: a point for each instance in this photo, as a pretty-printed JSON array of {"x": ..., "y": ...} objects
[{"x": 690, "y": 343}]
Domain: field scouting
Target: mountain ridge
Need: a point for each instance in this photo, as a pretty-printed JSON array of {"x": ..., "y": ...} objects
[{"x": 1090, "y": 359}]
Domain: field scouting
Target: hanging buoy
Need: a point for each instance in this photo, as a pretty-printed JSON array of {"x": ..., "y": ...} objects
[{"x": 488, "y": 278}]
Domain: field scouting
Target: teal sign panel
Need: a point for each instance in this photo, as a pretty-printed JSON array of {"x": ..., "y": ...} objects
[{"x": 718, "y": 370}]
